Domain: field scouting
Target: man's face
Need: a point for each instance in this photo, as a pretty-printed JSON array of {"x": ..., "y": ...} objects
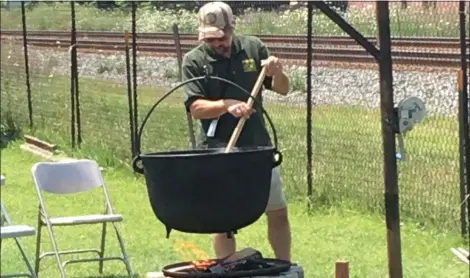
[{"x": 222, "y": 45}]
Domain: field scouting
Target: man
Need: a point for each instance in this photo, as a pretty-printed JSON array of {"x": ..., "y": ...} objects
[{"x": 219, "y": 105}]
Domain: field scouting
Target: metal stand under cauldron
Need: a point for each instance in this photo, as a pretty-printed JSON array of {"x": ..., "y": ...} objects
[
  {"x": 294, "y": 271},
  {"x": 245, "y": 263}
]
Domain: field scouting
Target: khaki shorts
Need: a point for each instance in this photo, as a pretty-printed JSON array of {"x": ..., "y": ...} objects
[{"x": 277, "y": 198}]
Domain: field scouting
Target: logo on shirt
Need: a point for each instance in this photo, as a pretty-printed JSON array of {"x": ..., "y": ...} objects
[{"x": 249, "y": 65}]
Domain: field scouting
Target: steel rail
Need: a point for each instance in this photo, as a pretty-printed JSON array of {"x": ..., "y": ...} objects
[
  {"x": 292, "y": 52},
  {"x": 428, "y": 42},
  {"x": 299, "y": 50}
]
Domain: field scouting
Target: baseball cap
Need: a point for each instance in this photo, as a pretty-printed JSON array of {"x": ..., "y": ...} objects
[{"x": 214, "y": 18}]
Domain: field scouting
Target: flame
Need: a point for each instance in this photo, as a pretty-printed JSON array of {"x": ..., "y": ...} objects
[
  {"x": 189, "y": 250},
  {"x": 203, "y": 264}
]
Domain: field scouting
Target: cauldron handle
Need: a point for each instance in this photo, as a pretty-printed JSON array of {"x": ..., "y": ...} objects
[
  {"x": 278, "y": 159},
  {"x": 137, "y": 164},
  {"x": 137, "y": 157}
]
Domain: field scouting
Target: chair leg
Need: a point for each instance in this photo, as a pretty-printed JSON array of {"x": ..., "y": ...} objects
[
  {"x": 103, "y": 243},
  {"x": 25, "y": 257},
  {"x": 38, "y": 245},
  {"x": 123, "y": 250},
  {"x": 56, "y": 251}
]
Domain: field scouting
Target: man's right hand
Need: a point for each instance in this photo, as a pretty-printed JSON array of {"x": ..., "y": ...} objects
[{"x": 238, "y": 108}]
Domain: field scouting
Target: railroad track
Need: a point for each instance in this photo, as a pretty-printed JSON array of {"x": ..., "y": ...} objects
[{"x": 435, "y": 52}]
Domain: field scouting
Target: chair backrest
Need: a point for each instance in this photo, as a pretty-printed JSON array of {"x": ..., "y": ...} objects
[{"x": 68, "y": 176}]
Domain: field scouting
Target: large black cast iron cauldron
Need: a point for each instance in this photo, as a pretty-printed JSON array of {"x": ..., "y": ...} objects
[{"x": 206, "y": 190}]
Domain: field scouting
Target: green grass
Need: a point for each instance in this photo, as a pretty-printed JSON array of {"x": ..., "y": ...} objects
[
  {"x": 347, "y": 143},
  {"x": 319, "y": 238},
  {"x": 414, "y": 21}
]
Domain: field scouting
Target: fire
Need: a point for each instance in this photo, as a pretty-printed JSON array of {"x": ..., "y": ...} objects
[
  {"x": 189, "y": 250},
  {"x": 203, "y": 264}
]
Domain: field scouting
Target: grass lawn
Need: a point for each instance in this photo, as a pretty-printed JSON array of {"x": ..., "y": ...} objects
[
  {"x": 347, "y": 143},
  {"x": 319, "y": 239}
]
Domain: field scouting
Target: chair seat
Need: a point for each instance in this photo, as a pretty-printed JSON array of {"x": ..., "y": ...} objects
[
  {"x": 85, "y": 219},
  {"x": 17, "y": 231}
]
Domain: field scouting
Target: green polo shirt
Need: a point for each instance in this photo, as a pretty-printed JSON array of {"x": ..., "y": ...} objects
[{"x": 242, "y": 68}]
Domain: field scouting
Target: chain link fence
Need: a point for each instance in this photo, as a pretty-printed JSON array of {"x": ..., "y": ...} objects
[
  {"x": 14, "y": 98},
  {"x": 347, "y": 144},
  {"x": 429, "y": 180},
  {"x": 348, "y": 161}
]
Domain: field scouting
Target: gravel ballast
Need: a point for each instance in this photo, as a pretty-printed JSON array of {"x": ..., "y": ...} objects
[{"x": 330, "y": 85}]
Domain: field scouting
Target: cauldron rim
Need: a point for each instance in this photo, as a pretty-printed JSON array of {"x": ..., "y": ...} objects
[{"x": 207, "y": 152}]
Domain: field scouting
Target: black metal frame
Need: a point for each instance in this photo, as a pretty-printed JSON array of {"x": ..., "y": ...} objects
[
  {"x": 130, "y": 98},
  {"x": 383, "y": 56},
  {"x": 134, "y": 72}
]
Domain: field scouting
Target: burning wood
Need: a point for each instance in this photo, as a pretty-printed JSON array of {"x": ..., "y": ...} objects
[
  {"x": 243, "y": 254},
  {"x": 242, "y": 260}
]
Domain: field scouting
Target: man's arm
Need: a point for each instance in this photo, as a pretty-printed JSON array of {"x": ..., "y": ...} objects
[
  {"x": 196, "y": 100},
  {"x": 278, "y": 83},
  {"x": 200, "y": 106},
  {"x": 208, "y": 109}
]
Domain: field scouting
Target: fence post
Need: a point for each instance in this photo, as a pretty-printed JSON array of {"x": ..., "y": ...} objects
[
  {"x": 463, "y": 122},
  {"x": 389, "y": 126},
  {"x": 73, "y": 59},
  {"x": 75, "y": 76},
  {"x": 26, "y": 65},
  {"x": 309, "y": 104},
  {"x": 129, "y": 95},
  {"x": 179, "y": 57},
  {"x": 179, "y": 54},
  {"x": 134, "y": 70}
]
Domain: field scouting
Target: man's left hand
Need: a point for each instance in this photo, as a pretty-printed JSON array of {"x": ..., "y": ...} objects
[{"x": 273, "y": 66}]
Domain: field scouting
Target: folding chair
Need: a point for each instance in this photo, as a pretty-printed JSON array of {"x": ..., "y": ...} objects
[
  {"x": 15, "y": 232},
  {"x": 72, "y": 177}
]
